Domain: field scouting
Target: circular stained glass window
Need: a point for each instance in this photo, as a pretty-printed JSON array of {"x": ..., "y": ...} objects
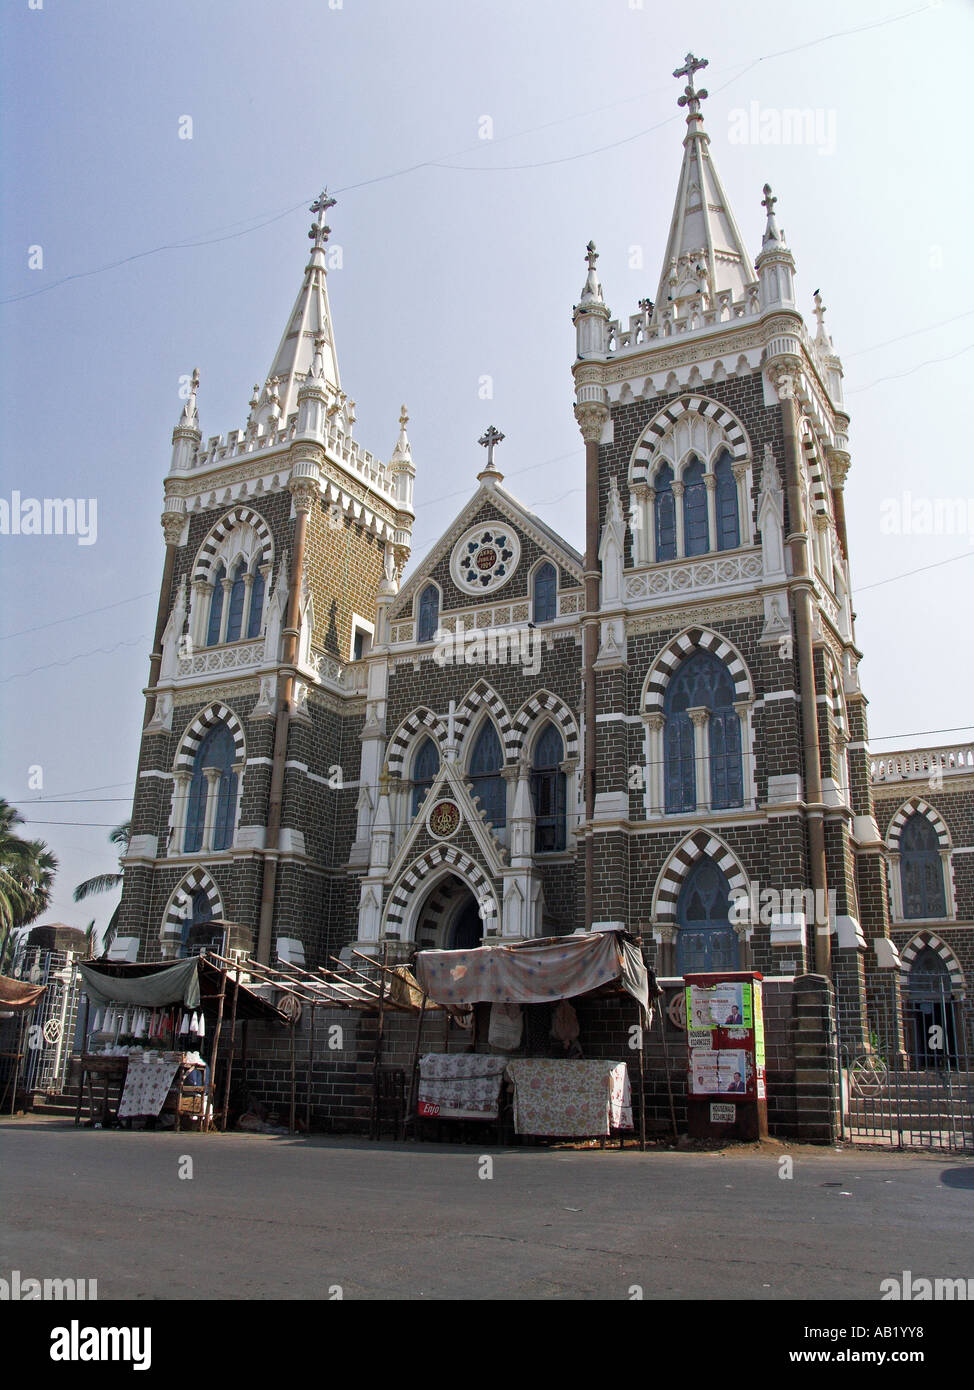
[{"x": 485, "y": 558}]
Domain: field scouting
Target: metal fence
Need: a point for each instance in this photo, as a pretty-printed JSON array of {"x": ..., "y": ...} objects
[
  {"x": 912, "y": 1087},
  {"x": 48, "y": 1036}
]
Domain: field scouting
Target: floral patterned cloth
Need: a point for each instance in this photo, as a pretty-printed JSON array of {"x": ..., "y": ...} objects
[
  {"x": 148, "y": 1080},
  {"x": 574, "y": 1097},
  {"x": 460, "y": 1086}
]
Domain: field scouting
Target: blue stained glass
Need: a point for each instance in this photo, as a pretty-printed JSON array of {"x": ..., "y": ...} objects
[
  {"x": 216, "y": 608},
  {"x": 235, "y": 610},
  {"x": 665, "y": 515},
  {"x": 429, "y": 613},
  {"x": 256, "y": 604},
  {"x": 702, "y": 681},
  {"x": 725, "y": 499},
  {"x": 486, "y": 761},
  {"x": 706, "y": 940},
  {"x": 696, "y": 539},
  {"x": 545, "y": 588}
]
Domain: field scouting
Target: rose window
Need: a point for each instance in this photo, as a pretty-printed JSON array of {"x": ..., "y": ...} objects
[{"x": 485, "y": 558}]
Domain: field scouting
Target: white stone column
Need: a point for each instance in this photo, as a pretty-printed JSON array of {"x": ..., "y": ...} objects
[
  {"x": 225, "y": 614},
  {"x": 655, "y": 724},
  {"x": 180, "y": 801},
  {"x": 710, "y": 483},
  {"x": 677, "y": 488},
  {"x": 212, "y": 775},
  {"x": 700, "y": 718},
  {"x": 744, "y": 523},
  {"x": 650, "y": 525},
  {"x": 199, "y": 612},
  {"x": 248, "y": 595},
  {"x": 640, "y": 523}
]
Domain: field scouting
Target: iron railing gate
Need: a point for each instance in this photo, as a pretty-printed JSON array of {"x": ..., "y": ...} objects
[
  {"x": 49, "y": 1033},
  {"x": 913, "y": 1087}
]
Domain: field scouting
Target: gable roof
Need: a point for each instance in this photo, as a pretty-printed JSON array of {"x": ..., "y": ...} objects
[{"x": 490, "y": 492}]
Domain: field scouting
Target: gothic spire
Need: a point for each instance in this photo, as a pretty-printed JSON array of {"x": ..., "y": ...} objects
[
  {"x": 310, "y": 321},
  {"x": 705, "y": 252}
]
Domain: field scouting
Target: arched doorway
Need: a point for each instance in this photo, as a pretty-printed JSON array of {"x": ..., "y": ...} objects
[
  {"x": 705, "y": 940},
  {"x": 930, "y": 1011},
  {"x": 449, "y": 917}
]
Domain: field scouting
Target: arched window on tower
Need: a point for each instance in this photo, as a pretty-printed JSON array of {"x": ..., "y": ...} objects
[
  {"x": 238, "y": 592},
  {"x": 212, "y": 810},
  {"x": 426, "y": 764},
  {"x": 486, "y": 762},
  {"x": 702, "y": 682},
  {"x": 216, "y": 608},
  {"x": 921, "y": 870},
  {"x": 429, "y": 613},
  {"x": 696, "y": 537},
  {"x": 665, "y": 514},
  {"x": 548, "y": 791},
  {"x": 195, "y": 937},
  {"x": 256, "y": 602},
  {"x": 545, "y": 588},
  {"x": 725, "y": 500},
  {"x": 705, "y": 940}
]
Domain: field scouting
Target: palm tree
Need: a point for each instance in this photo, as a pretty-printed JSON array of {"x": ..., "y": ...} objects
[
  {"x": 107, "y": 883},
  {"x": 27, "y": 869}
]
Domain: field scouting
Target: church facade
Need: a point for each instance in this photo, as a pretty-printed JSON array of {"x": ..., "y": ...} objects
[{"x": 666, "y": 730}]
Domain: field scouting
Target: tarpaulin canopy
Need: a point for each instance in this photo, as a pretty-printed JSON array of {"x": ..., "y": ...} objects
[
  {"x": 151, "y": 988},
  {"x": 535, "y": 972},
  {"x": 17, "y": 995},
  {"x": 156, "y": 984}
]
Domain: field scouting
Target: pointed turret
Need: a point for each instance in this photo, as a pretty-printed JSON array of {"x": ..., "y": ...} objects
[
  {"x": 775, "y": 263},
  {"x": 310, "y": 321},
  {"x": 186, "y": 436},
  {"x": 402, "y": 471},
  {"x": 591, "y": 316},
  {"x": 705, "y": 254}
]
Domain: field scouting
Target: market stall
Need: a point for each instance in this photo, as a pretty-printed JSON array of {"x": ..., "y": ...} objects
[
  {"x": 567, "y": 1095},
  {"x": 146, "y": 1031}
]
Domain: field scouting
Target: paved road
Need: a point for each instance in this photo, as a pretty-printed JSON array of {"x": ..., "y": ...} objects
[{"x": 265, "y": 1217}]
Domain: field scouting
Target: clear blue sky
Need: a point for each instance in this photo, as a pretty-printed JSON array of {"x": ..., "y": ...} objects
[{"x": 462, "y": 258}]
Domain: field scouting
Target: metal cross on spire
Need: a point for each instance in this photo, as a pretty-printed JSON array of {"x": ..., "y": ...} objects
[
  {"x": 690, "y": 97},
  {"x": 488, "y": 439},
  {"x": 319, "y": 231}
]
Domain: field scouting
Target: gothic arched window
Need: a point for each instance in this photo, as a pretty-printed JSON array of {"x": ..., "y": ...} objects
[
  {"x": 548, "y": 792},
  {"x": 702, "y": 682},
  {"x": 193, "y": 938},
  {"x": 725, "y": 500},
  {"x": 705, "y": 940},
  {"x": 665, "y": 515},
  {"x": 486, "y": 762},
  {"x": 256, "y": 603},
  {"x": 696, "y": 536},
  {"x": 238, "y": 592},
  {"x": 216, "y": 608},
  {"x": 429, "y": 613},
  {"x": 921, "y": 870},
  {"x": 545, "y": 587},
  {"x": 426, "y": 765},
  {"x": 213, "y": 797}
]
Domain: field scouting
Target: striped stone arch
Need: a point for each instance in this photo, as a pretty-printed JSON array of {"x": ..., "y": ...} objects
[
  {"x": 919, "y": 942},
  {"x": 693, "y": 639},
  {"x": 916, "y": 806},
  {"x": 420, "y": 722},
  {"x": 539, "y": 708},
  {"x": 200, "y": 727},
  {"x": 700, "y": 844},
  {"x": 218, "y": 534},
  {"x": 435, "y": 863},
  {"x": 818, "y": 487},
  {"x": 653, "y": 436},
  {"x": 172, "y": 924},
  {"x": 483, "y": 696}
]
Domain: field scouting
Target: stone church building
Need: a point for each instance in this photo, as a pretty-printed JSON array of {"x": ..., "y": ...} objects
[{"x": 666, "y": 730}]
